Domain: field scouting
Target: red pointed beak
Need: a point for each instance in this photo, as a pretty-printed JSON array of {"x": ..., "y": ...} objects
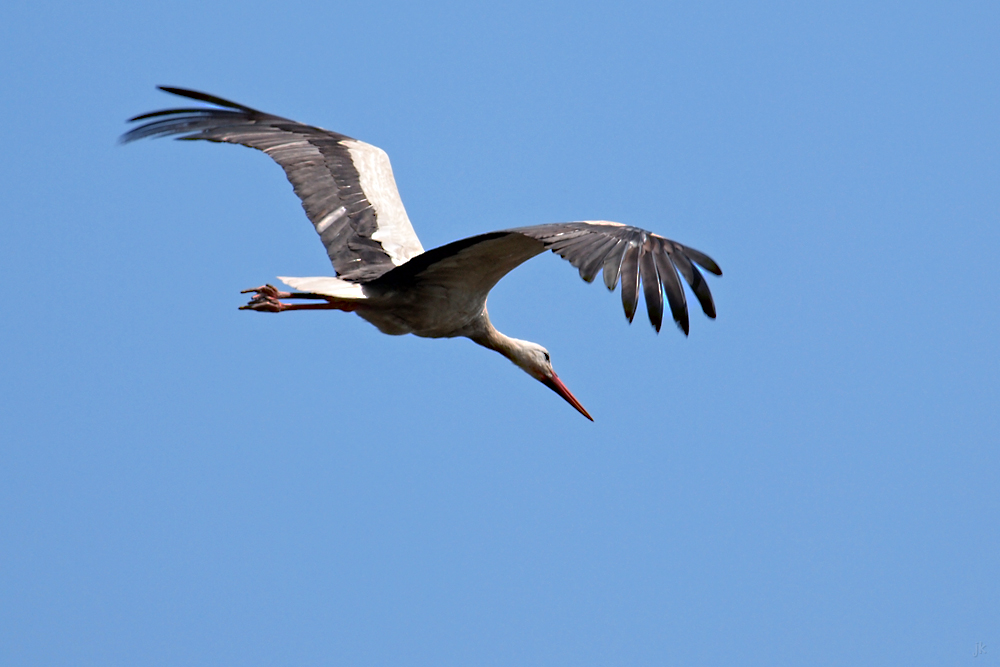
[{"x": 556, "y": 385}]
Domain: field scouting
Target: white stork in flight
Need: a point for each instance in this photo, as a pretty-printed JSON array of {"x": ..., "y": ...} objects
[{"x": 384, "y": 274}]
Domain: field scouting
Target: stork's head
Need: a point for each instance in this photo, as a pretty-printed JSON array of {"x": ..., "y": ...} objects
[{"x": 534, "y": 360}]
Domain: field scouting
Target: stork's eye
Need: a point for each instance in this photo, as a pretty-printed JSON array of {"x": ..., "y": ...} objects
[{"x": 546, "y": 356}]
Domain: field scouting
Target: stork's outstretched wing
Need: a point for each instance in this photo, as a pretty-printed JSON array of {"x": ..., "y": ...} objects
[
  {"x": 346, "y": 186},
  {"x": 637, "y": 256}
]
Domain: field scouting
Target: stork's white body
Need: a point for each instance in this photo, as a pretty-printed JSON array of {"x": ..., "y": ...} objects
[{"x": 383, "y": 273}]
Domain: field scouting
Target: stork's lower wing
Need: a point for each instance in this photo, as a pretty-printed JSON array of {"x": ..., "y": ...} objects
[
  {"x": 346, "y": 186},
  {"x": 640, "y": 258}
]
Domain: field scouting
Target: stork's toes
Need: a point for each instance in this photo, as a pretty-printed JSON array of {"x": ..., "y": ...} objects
[
  {"x": 264, "y": 304},
  {"x": 265, "y": 299},
  {"x": 268, "y": 291}
]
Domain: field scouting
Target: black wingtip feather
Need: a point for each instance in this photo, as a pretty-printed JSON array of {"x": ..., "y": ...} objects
[
  {"x": 651, "y": 286},
  {"x": 204, "y": 97},
  {"x": 168, "y": 112},
  {"x": 702, "y": 260},
  {"x": 694, "y": 279},
  {"x": 613, "y": 264},
  {"x": 672, "y": 286},
  {"x": 630, "y": 280}
]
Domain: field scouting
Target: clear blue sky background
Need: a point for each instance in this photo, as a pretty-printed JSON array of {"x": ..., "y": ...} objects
[{"x": 809, "y": 479}]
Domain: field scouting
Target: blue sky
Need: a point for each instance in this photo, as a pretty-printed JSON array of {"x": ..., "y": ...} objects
[{"x": 809, "y": 479}]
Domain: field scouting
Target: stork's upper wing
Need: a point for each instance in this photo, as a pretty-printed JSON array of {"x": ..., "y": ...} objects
[
  {"x": 639, "y": 257},
  {"x": 346, "y": 186}
]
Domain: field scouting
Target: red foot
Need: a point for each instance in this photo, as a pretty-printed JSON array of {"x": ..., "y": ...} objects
[{"x": 267, "y": 298}]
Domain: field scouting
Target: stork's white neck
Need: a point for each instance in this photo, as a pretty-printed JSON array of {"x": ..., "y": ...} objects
[
  {"x": 524, "y": 354},
  {"x": 483, "y": 332}
]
